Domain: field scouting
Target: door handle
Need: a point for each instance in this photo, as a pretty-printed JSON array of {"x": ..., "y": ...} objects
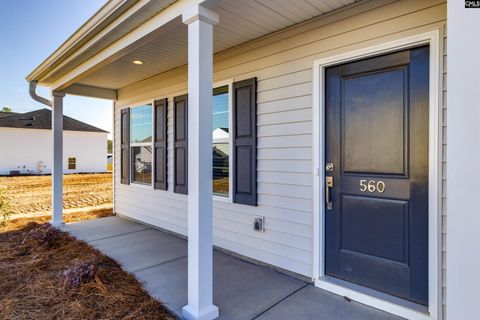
[{"x": 328, "y": 192}]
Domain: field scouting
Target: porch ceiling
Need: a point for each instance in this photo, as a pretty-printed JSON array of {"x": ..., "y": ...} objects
[{"x": 240, "y": 22}]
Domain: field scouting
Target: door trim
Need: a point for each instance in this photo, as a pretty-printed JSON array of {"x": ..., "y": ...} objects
[{"x": 432, "y": 39}]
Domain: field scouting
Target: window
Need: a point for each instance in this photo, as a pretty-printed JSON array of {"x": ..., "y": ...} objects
[
  {"x": 141, "y": 144},
  {"x": 221, "y": 142},
  {"x": 72, "y": 163}
]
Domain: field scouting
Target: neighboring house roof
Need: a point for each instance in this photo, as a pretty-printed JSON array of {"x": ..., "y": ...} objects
[
  {"x": 220, "y": 135},
  {"x": 42, "y": 119},
  {"x": 220, "y": 150},
  {"x": 6, "y": 114}
]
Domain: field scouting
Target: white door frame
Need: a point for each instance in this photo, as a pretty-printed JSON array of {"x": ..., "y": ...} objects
[{"x": 434, "y": 197}]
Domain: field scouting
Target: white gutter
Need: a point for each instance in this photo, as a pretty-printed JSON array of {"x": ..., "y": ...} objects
[
  {"x": 33, "y": 93},
  {"x": 56, "y": 104}
]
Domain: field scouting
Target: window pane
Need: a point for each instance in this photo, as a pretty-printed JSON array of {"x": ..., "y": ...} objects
[
  {"x": 142, "y": 164},
  {"x": 221, "y": 138},
  {"x": 141, "y": 124},
  {"x": 72, "y": 163}
]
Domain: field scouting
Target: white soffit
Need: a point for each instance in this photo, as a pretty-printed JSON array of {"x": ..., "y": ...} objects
[{"x": 240, "y": 22}]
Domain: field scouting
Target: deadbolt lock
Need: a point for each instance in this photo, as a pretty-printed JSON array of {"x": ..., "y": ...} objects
[{"x": 329, "y": 167}]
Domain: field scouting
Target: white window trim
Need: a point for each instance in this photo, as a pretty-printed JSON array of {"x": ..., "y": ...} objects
[
  {"x": 134, "y": 183},
  {"x": 229, "y": 83},
  {"x": 434, "y": 197}
]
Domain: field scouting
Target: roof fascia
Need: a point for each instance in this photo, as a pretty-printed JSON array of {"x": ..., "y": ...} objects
[
  {"x": 141, "y": 35},
  {"x": 88, "y": 29},
  {"x": 96, "y": 38}
]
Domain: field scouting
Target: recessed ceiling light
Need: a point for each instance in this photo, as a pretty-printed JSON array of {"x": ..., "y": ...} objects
[{"x": 138, "y": 62}]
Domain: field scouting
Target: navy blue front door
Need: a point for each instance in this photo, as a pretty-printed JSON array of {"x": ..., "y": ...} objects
[{"x": 376, "y": 223}]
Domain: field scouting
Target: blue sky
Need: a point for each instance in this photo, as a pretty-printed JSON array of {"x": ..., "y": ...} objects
[{"x": 29, "y": 31}]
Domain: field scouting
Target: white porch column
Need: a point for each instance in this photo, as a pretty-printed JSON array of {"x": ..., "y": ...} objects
[
  {"x": 57, "y": 168},
  {"x": 200, "y": 23},
  {"x": 463, "y": 162}
]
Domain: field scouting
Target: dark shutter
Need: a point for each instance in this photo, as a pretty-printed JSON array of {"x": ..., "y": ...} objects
[
  {"x": 125, "y": 143},
  {"x": 160, "y": 144},
  {"x": 180, "y": 144},
  {"x": 245, "y": 142}
]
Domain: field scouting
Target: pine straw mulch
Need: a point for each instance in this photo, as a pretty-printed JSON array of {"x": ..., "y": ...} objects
[{"x": 40, "y": 268}]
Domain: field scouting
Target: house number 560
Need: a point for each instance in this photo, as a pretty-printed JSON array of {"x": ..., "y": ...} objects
[{"x": 372, "y": 186}]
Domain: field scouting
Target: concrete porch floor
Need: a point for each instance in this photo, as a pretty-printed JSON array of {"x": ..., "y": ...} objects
[{"x": 242, "y": 290}]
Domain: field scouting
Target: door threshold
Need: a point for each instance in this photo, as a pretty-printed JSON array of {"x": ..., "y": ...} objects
[{"x": 374, "y": 298}]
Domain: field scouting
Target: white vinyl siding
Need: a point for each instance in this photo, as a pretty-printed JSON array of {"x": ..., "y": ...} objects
[{"x": 282, "y": 63}]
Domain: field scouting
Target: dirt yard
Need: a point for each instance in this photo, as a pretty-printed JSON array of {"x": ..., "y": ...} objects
[
  {"x": 47, "y": 274},
  {"x": 221, "y": 185},
  {"x": 32, "y": 194}
]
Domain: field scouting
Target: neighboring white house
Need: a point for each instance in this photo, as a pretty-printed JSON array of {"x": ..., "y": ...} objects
[
  {"x": 334, "y": 115},
  {"x": 27, "y": 147}
]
